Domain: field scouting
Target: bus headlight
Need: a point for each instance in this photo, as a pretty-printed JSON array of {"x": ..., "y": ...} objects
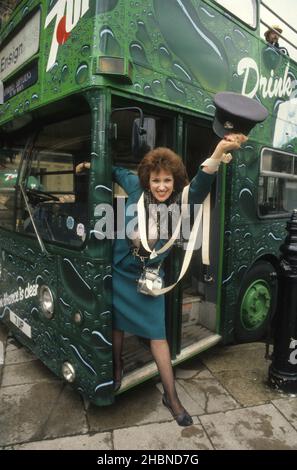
[
  {"x": 68, "y": 372},
  {"x": 46, "y": 301}
]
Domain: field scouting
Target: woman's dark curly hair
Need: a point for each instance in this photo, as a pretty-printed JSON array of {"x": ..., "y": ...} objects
[{"x": 165, "y": 159}]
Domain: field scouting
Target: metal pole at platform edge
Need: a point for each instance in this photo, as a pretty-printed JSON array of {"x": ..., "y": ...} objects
[{"x": 282, "y": 373}]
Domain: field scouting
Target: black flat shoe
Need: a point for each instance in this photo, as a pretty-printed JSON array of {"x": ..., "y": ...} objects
[{"x": 183, "y": 418}]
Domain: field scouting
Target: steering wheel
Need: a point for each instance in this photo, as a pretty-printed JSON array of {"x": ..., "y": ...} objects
[{"x": 36, "y": 196}]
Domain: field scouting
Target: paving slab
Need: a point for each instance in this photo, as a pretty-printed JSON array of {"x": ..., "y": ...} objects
[
  {"x": 3, "y": 341},
  {"x": 143, "y": 405},
  {"x": 26, "y": 373},
  {"x": 207, "y": 392},
  {"x": 242, "y": 370},
  {"x": 135, "y": 407},
  {"x": 3, "y": 333},
  {"x": 12, "y": 343},
  {"x": 164, "y": 436},
  {"x": 67, "y": 416},
  {"x": 248, "y": 387},
  {"x": 288, "y": 407},
  {"x": 189, "y": 369},
  {"x": 35, "y": 411},
  {"x": 247, "y": 356},
  {"x": 220, "y": 389},
  {"x": 16, "y": 355},
  {"x": 102, "y": 441},
  {"x": 192, "y": 405},
  {"x": 2, "y": 354},
  {"x": 257, "y": 428}
]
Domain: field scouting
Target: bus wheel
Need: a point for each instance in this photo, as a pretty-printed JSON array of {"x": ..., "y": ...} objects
[{"x": 257, "y": 302}]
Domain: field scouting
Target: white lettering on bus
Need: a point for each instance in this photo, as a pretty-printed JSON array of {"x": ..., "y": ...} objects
[
  {"x": 253, "y": 81},
  {"x": 31, "y": 290},
  {"x": 67, "y": 14},
  {"x": 293, "y": 355}
]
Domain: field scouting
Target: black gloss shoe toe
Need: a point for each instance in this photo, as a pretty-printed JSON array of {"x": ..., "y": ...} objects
[
  {"x": 117, "y": 385},
  {"x": 183, "y": 418}
]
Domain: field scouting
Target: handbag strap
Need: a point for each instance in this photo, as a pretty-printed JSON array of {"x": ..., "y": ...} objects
[
  {"x": 206, "y": 230},
  {"x": 142, "y": 225},
  {"x": 188, "y": 255}
]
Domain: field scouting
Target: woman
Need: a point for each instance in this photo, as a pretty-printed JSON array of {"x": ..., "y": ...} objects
[{"x": 162, "y": 176}]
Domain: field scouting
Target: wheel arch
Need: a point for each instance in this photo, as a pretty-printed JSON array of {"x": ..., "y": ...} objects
[
  {"x": 269, "y": 258},
  {"x": 252, "y": 277}
]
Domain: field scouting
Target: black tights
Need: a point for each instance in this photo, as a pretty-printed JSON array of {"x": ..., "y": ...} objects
[{"x": 161, "y": 354}]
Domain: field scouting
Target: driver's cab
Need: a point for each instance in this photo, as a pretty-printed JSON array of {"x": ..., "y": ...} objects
[
  {"x": 52, "y": 199},
  {"x": 9, "y": 161}
]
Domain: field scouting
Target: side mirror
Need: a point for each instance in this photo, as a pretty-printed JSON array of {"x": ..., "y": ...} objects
[{"x": 143, "y": 137}]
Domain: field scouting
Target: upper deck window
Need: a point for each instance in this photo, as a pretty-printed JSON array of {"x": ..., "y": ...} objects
[
  {"x": 277, "y": 193},
  {"x": 245, "y": 10}
]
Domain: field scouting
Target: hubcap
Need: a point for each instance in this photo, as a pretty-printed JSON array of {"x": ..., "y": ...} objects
[{"x": 255, "y": 305}]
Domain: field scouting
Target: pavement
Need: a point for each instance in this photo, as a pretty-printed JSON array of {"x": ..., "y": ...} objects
[{"x": 225, "y": 389}]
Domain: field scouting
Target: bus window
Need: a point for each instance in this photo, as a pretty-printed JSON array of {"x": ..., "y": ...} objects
[
  {"x": 276, "y": 163},
  {"x": 277, "y": 184},
  {"x": 245, "y": 10},
  {"x": 290, "y": 195},
  {"x": 58, "y": 199},
  {"x": 9, "y": 163}
]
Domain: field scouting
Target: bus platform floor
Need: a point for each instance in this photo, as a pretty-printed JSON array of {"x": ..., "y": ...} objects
[{"x": 225, "y": 390}]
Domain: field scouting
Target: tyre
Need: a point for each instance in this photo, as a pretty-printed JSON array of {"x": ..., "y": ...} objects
[{"x": 256, "y": 303}]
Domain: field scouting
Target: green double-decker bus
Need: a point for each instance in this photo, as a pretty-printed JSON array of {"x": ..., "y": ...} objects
[{"x": 99, "y": 81}]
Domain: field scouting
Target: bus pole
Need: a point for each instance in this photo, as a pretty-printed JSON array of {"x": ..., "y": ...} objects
[{"x": 283, "y": 369}]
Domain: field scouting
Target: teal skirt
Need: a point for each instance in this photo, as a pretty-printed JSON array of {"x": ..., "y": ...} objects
[{"x": 133, "y": 312}]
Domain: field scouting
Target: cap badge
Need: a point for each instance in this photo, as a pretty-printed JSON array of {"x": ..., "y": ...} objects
[{"x": 228, "y": 125}]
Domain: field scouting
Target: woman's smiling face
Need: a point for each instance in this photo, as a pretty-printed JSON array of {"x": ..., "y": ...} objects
[{"x": 161, "y": 185}]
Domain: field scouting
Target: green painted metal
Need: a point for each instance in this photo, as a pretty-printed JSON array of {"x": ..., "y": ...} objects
[
  {"x": 221, "y": 249},
  {"x": 166, "y": 66},
  {"x": 255, "y": 305}
]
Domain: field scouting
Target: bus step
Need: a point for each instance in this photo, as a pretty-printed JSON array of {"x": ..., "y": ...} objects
[
  {"x": 150, "y": 370},
  {"x": 190, "y": 309}
]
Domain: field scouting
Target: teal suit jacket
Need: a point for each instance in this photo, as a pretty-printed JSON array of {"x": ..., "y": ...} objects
[{"x": 199, "y": 188}]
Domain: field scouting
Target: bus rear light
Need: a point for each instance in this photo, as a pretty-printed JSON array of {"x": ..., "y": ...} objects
[{"x": 46, "y": 301}]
